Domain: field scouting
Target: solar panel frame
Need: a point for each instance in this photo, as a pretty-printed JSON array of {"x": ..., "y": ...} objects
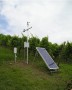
[{"x": 46, "y": 58}]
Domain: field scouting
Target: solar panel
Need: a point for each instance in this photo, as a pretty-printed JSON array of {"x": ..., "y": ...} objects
[{"x": 47, "y": 58}]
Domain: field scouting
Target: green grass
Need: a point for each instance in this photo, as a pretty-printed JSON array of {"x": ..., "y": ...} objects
[
  {"x": 34, "y": 76},
  {"x": 20, "y": 76},
  {"x": 6, "y": 54}
]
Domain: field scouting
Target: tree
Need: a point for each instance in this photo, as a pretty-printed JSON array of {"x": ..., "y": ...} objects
[
  {"x": 21, "y": 43},
  {"x": 14, "y": 41},
  {"x": 1, "y": 37},
  {"x": 53, "y": 49},
  {"x": 34, "y": 42},
  {"x": 5, "y": 40},
  {"x": 44, "y": 43},
  {"x": 68, "y": 52}
]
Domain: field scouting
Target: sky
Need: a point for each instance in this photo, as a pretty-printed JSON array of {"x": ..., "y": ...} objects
[{"x": 52, "y": 18}]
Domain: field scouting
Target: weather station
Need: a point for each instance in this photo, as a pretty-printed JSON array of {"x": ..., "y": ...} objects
[{"x": 26, "y": 44}]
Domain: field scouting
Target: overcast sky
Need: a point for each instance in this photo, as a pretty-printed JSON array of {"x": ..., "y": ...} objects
[{"x": 52, "y": 18}]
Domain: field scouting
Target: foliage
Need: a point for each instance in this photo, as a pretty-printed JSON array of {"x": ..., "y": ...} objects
[
  {"x": 67, "y": 52},
  {"x": 61, "y": 52},
  {"x": 54, "y": 50},
  {"x": 35, "y": 75},
  {"x": 14, "y": 41},
  {"x": 44, "y": 43},
  {"x": 34, "y": 42},
  {"x": 5, "y": 40}
]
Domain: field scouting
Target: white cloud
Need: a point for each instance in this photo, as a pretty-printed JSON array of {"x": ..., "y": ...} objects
[
  {"x": 1, "y": 5},
  {"x": 47, "y": 17}
]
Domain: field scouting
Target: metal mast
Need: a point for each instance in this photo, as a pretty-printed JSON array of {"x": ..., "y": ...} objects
[{"x": 27, "y": 38}]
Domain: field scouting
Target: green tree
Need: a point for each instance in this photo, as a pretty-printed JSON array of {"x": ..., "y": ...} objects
[
  {"x": 5, "y": 40},
  {"x": 68, "y": 52},
  {"x": 1, "y": 39},
  {"x": 34, "y": 42},
  {"x": 14, "y": 41},
  {"x": 21, "y": 43},
  {"x": 53, "y": 49},
  {"x": 44, "y": 43}
]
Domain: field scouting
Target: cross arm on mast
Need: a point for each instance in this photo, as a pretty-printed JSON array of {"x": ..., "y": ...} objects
[{"x": 26, "y": 29}]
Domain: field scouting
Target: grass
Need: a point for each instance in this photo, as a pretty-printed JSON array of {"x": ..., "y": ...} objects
[
  {"x": 34, "y": 76},
  {"x": 6, "y": 54}
]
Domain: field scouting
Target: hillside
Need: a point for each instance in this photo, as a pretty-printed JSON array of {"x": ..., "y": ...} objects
[{"x": 34, "y": 76}]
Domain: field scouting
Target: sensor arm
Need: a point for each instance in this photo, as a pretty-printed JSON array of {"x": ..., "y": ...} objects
[{"x": 26, "y": 29}]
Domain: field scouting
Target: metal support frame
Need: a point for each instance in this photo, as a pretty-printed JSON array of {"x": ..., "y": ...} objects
[{"x": 27, "y": 37}]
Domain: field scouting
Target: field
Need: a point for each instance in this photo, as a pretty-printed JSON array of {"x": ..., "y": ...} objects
[{"x": 34, "y": 76}]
